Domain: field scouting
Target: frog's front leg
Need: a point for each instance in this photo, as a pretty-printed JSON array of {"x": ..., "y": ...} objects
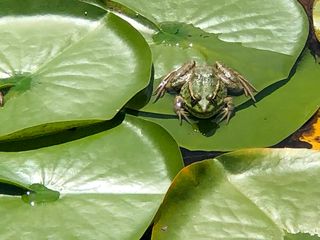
[
  {"x": 226, "y": 111},
  {"x": 175, "y": 79},
  {"x": 178, "y": 108},
  {"x": 234, "y": 81}
]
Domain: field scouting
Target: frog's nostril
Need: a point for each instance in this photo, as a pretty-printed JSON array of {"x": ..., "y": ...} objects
[{"x": 203, "y": 108}]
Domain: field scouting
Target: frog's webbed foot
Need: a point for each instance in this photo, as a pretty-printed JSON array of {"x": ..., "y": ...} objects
[
  {"x": 234, "y": 80},
  {"x": 162, "y": 87},
  {"x": 175, "y": 79},
  {"x": 248, "y": 88},
  {"x": 227, "y": 111},
  {"x": 179, "y": 110}
]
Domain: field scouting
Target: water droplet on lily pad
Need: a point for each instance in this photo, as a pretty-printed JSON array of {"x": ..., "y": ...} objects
[{"x": 39, "y": 194}]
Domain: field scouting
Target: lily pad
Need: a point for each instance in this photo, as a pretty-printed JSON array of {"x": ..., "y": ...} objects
[
  {"x": 301, "y": 236},
  {"x": 71, "y": 64},
  {"x": 110, "y": 184},
  {"x": 265, "y": 50},
  {"x": 248, "y": 194},
  {"x": 281, "y": 109},
  {"x": 253, "y": 37}
]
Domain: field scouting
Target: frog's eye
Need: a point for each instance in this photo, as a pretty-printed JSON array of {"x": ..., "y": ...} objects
[
  {"x": 209, "y": 97},
  {"x": 197, "y": 97}
]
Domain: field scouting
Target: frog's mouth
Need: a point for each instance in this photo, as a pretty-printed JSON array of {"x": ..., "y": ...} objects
[{"x": 203, "y": 113}]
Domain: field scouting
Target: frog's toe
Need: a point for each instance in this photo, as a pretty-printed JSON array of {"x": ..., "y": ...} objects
[
  {"x": 227, "y": 111},
  {"x": 159, "y": 92},
  {"x": 224, "y": 114},
  {"x": 178, "y": 108},
  {"x": 248, "y": 88},
  {"x": 183, "y": 114}
]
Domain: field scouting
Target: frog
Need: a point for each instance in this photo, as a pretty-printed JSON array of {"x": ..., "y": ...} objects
[{"x": 204, "y": 91}]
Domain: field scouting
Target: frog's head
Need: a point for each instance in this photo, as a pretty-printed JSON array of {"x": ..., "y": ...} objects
[{"x": 202, "y": 107}]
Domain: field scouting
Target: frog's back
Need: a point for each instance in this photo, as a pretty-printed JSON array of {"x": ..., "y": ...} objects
[
  {"x": 204, "y": 81},
  {"x": 204, "y": 84}
]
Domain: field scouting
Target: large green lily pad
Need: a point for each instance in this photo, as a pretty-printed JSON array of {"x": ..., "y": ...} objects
[
  {"x": 267, "y": 194},
  {"x": 260, "y": 39},
  {"x": 111, "y": 184},
  {"x": 256, "y": 38},
  {"x": 71, "y": 63}
]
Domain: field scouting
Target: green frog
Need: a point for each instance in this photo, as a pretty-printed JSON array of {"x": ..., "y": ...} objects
[{"x": 204, "y": 91}]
